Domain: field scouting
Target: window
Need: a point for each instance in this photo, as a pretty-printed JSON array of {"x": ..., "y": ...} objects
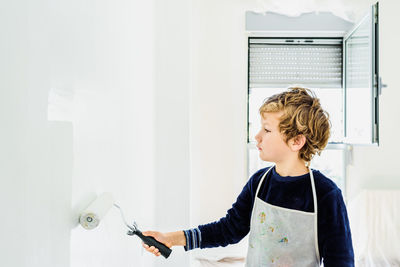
[
  {"x": 343, "y": 73},
  {"x": 361, "y": 81}
]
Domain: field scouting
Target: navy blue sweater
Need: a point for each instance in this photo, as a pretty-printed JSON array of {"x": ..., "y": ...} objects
[{"x": 293, "y": 192}]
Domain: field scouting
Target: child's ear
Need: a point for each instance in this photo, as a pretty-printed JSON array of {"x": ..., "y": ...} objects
[{"x": 298, "y": 142}]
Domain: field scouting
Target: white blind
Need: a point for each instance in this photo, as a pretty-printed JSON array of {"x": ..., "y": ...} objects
[
  {"x": 281, "y": 65},
  {"x": 358, "y": 65}
]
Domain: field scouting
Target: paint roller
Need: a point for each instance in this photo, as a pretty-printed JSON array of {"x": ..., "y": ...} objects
[{"x": 95, "y": 212}]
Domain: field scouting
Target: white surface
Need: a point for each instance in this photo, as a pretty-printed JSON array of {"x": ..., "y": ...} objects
[
  {"x": 375, "y": 222},
  {"x": 225, "y": 262},
  {"x": 238, "y": 250},
  {"x": 78, "y": 106}
]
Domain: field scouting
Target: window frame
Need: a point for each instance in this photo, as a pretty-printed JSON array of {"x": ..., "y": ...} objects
[{"x": 375, "y": 89}]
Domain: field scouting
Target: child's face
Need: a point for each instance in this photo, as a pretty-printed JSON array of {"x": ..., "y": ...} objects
[{"x": 270, "y": 142}]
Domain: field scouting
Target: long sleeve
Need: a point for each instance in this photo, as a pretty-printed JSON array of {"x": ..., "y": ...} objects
[
  {"x": 231, "y": 228},
  {"x": 334, "y": 231},
  {"x": 193, "y": 238}
]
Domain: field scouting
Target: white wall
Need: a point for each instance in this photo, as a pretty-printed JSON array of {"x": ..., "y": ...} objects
[
  {"x": 218, "y": 110},
  {"x": 107, "y": 131},
  {"x": 172, "y": 126},
  {"x": 36, "y": 155}
]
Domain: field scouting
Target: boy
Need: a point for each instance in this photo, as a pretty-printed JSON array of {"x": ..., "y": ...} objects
[{"x": 296, "y": 216}]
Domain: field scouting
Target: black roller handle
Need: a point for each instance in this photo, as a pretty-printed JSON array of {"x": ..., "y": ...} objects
[{"x": 151, "y": 241}]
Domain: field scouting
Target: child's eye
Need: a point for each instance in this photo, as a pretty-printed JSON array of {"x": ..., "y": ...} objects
[{"x": 268, "y": 131}]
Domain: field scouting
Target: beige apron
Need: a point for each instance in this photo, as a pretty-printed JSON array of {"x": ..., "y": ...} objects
[{"x": 282, "y": 237}]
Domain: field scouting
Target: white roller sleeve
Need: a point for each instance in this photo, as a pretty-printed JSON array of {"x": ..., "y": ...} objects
[{"x": 96, "y": 211}]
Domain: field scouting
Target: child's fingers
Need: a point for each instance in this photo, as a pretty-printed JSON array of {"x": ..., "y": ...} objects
[
  {"x": 151, "y": 249},
  {"x": 155, "y": 251}
]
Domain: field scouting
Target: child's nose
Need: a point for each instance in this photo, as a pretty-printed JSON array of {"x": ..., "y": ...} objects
[{"x": 258, "y": 137}]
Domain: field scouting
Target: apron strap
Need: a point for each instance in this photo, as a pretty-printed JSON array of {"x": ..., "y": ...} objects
[
  {"x": 315, "y": 214},
  {"x": 261, "y": 181}
]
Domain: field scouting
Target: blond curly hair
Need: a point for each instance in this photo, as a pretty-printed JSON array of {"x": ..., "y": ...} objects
[{"x": 302, "y": 115}]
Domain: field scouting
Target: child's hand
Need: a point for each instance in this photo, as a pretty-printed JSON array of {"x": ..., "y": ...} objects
[{"x": 161, "y": 237}]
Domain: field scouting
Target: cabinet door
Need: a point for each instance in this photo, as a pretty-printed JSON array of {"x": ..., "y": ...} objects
[{"x": 360, "y": 81}]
